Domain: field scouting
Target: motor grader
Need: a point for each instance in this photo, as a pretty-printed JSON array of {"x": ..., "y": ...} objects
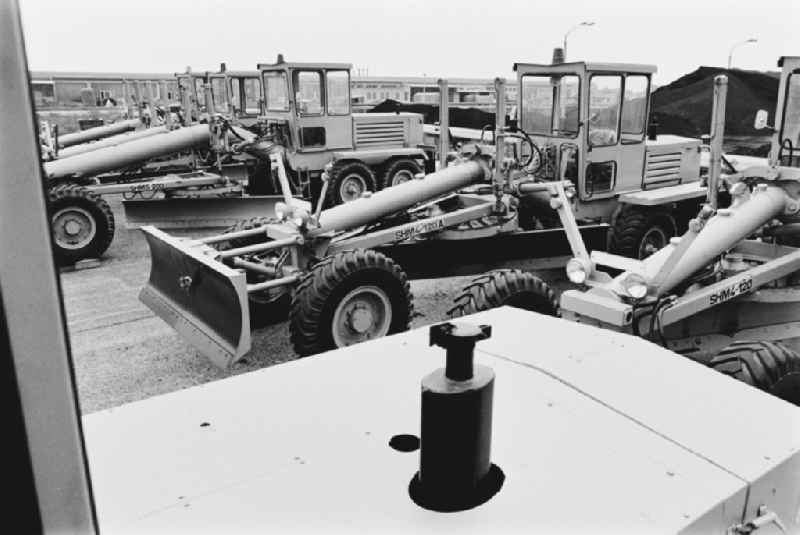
[
  {"x": 307, "y": 112},
  {"x": 319, "y": 266},
  {"x": 725, "y": 293},
  {"x": 562, "y": 422}
]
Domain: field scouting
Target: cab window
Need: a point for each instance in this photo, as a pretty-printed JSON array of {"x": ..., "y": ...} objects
[
  {"x": 252, "y": 95},
  {"x": 634, "y": 108},
  {"x": 235, "y": 93},
  {"x": 790, "y": 125},
  {"x": 199, "y": 91},
  {"x": 604, "y": 103},
  {"x": 218, "y": 94},
  {"x": 338, "y": 91},
  {"x": 276, "y": 91},
  {"x": 550, "y": 104},
  {"x": 308, "y": 92}
]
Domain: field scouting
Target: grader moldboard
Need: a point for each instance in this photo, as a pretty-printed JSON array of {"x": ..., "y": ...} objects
[{"x": 342, "y": 273}]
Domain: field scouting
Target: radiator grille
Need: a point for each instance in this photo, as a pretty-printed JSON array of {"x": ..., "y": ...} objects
[
  {"x": 384, "y": 134},
  {"x": 662, "y": 169}
]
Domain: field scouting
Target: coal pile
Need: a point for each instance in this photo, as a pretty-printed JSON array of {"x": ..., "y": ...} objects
[
  {"x": 459, "y": 117},
  {"x": 684, "y": 106}
]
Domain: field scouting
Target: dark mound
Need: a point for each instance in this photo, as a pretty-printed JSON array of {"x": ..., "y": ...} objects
[
  {"x": 684, "y": 106},
  {"x": 459, "y": 117}
]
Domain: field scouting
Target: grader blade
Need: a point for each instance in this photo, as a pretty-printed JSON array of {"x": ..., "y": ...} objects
[
  {"x": 204, "y": 300},
  {"x": 197, "y": 213}
]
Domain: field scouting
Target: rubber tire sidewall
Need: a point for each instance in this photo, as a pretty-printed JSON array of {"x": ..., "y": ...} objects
[
  {"x": 394, "y": 289},
  {"x": 104, "y": 226},
  {"x": 627, "y": 234},
  {"x": 392, "y": 168},
  {"x": 340, "y": 172}
]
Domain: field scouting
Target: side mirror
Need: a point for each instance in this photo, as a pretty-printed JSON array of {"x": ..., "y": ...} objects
[{"x": 761, "y": 120}]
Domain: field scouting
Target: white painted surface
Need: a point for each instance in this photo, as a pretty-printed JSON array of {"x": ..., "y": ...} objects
[{"x": 594, "y": 430}]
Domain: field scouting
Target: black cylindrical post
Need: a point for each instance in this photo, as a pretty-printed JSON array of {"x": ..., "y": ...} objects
[{"x": 456, "y": 433}]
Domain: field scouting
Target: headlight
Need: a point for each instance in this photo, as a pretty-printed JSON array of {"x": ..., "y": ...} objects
[
  {"x": 577, "y": 271},
  {"x": 281, "y": 211},
  {"x": 635, "y": 285},
  {"x": 300, "y": 217}
]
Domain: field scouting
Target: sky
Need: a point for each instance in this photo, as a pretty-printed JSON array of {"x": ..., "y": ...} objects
[{"x": 438, "y": 38}]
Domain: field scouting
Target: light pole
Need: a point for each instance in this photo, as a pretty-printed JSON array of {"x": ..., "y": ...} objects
[
  {"x": 734, "y": 47},
  {"x": 572, "y": 30}
]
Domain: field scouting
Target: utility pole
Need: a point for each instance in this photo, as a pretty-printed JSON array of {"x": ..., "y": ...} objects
[
  {"x": 737, "y": 45},
  {"x": 582, "y": 24}
]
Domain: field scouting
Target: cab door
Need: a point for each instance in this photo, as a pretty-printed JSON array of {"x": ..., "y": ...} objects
[
  {"x": 602, "y": 171},
  {"x": 322, "y": 104},
  {"x": 633, "y": 123},
  {"x": 337, "y": 108}
]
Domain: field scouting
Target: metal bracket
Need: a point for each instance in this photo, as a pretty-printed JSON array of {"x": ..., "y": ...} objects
[{"x": 764, "y": 517}]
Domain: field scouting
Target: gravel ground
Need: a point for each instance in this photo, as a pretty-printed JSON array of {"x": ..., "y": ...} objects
[{"x": 123, "y": 353}]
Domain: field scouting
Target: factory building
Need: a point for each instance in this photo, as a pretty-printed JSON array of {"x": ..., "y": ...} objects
[{"x": 86, "y": 89}]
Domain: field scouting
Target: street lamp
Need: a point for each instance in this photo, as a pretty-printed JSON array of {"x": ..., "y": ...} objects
[
  {"x": 734, "y": 47},
  {"x": 572, "y": 30}
]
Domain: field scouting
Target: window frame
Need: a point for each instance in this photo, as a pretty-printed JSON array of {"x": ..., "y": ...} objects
[
  {"x": 786, "y": 96},
  {"x": 296, "y": 85},
  {"x": 327, "y": 106},
  {"x": 265, "y": 88},
  {"x": 589, "y": 193},
  {"x": 641, "y": 134},
  {"x": 521, "y": 97},
  {"x": 243, "y": 81},
  {"x": 621, "y": 76},
  {"x": 220, "y": 83}
]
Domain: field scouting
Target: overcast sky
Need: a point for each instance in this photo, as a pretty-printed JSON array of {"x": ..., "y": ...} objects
[{"x": 466, "y": 38}]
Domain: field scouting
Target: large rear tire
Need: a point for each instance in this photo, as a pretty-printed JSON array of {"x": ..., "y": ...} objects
[
  {"x": 506, "y": 287},
  {"x": 348, "y": 182},
  {"x": 768, "y": 366},
  {"x": 638, "y": 233},
  {"x": 270, "y": 306},
  {"x": 348, "y": 298},
  {"x": 399, "y": 171},
  {"x": 81, "y": 223}
]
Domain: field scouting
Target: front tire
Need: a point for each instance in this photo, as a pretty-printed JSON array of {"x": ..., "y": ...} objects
[
  {"x": 81, "y": 223},
  {"x": 768, "y": 366},
  {"x": 506, "y": 287},
  {"x": 348, "y": 182},
  {"x": 348, "y": 298}
]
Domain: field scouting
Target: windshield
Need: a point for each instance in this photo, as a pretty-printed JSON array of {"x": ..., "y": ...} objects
[
  {"x": 790, "y": 126},
  {"x": 550, "y": 104},
  {"x": 276, "y": 91},
  {"x": 218, "y": 94}
]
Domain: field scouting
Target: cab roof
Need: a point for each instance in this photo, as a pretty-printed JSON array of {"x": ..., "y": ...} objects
[
  {"x": 594, "y": 67},
  {"x": 309, "y": 66}
]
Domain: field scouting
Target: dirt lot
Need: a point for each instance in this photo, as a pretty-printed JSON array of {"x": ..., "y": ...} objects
[{"x": 123, "y": 353}]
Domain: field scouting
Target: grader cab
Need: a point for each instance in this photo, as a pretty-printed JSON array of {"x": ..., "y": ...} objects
[
  {"x": 237, "y": 94},
  {"x": 307, "y": 111},
  {"x": 588, "y": 124}
]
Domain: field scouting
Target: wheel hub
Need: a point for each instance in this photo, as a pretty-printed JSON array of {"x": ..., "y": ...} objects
[
  {"x": 653, "y": 240},
  {"x": 73, "y": 228},
  {"x": 401, "y": 176},
  {"x": 360, "y": 319},
  {"x": 353, "y": 186},
  {"x": 363, "y": 314}
]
